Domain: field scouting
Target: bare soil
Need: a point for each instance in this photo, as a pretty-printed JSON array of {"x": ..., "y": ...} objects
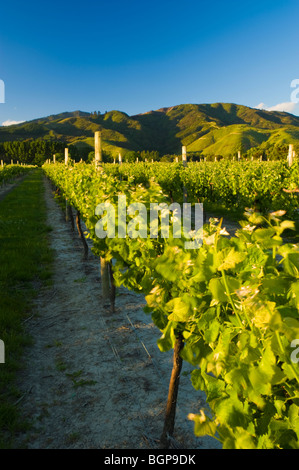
[{"x": 93, "y": 379}]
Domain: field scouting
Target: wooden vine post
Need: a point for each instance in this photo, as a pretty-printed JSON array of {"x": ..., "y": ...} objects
[
  {"x": 66, "y": 161},
  {"x": 105, "y": 275},
  {"x": 69, "y": 211},
  {"x": 291, "y": 155},
  {"x": 184, "y": 160},
  {"x": 120, "y": 161},
  {"x": 169, "y": 421},
  {"x": 98, "y": 149},
  {"x": 81, "y": 235}
]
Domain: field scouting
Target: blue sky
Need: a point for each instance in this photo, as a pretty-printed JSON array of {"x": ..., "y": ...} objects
[{"x": 135, "y": 56}]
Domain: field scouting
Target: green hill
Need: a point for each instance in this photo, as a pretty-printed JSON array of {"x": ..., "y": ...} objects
[{"x": 219, "y": 128}]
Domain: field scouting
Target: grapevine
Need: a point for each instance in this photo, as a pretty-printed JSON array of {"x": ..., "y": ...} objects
[{"x": 233, "y": 302}]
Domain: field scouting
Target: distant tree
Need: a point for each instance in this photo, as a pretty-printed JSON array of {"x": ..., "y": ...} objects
[
  {"x": 107, "y": 157},
  {"x": 131, "y": 156},
  {"x": 194, "y": 156},
  {"x": 30, "y": 152},
  {"x": 59, "y": 157},
  {"x": 74, "y": 153},
  {"x": 167, "y": 158},
  {"x": 39, "y": 159},
  {"x": 90, "y": 158}
]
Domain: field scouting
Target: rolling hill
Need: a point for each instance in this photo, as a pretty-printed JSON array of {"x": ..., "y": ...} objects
[{"x": 219, "y": 128}]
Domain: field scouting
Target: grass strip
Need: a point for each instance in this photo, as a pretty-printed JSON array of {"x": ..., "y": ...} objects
[{"x": 25, "y": 265}]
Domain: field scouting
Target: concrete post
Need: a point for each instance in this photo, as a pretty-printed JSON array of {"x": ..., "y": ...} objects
[
  {"x": 98, "y": 148},
  {"x": 184, "y": 159},
  {"x": 291, "y": 154},
  {"x": 184, "y": 155},
  {"x": 66, "y": 156}
]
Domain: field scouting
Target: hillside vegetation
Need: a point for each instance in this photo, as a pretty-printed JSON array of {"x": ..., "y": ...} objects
[{"x": 210, "y": 129}]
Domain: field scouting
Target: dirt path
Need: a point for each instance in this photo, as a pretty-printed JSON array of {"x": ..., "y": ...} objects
[{"x": 93, "y": 379}]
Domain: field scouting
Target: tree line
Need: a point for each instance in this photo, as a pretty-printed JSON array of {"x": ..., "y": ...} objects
[{"x": 34, "y": 152}]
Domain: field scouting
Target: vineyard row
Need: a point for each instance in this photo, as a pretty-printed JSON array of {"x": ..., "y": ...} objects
[{"x": 229, "y": 308}]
